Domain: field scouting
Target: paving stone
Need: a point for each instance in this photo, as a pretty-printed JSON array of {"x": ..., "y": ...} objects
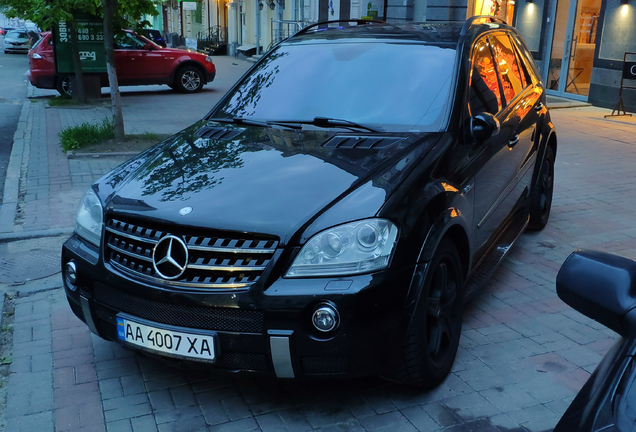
[
  {"x": 41, "y": 422},
  {"x": 243, "y": 425}
]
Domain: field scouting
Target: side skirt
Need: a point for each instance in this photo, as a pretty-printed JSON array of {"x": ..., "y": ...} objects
[{"x": 487, "y": 266}]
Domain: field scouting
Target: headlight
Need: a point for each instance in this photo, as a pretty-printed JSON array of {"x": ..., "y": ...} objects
[
  {"x": 88, "y": 224},
  {"x": 353, "y": 248},
  {"x": 209, "y": 59}
]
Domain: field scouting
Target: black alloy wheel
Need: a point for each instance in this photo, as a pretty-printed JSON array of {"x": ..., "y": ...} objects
[
  {"x": 432, "y": 340},
  {"x": 63, "y": 86},
  {"x": 542, "y": 194}
]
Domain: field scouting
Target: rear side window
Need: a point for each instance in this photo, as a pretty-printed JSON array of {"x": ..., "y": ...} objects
[
  {"x": 484, "y": 85},
  {"x": 512, "y": 78}
]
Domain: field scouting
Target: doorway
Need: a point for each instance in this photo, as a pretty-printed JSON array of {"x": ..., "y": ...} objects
[{"x": 571, "y": 58}]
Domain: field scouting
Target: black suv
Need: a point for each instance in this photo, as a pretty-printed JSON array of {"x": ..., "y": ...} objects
[{"x": 333, "y": 212}]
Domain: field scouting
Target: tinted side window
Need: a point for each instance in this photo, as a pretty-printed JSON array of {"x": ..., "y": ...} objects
[
  {"x": 484, "y": 85},
  {"x": 533, "y": 72},
  {"x": 508, "y": 66}
]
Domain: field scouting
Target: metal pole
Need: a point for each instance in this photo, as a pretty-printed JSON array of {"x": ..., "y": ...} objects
[{"x": 257, "y": 5}]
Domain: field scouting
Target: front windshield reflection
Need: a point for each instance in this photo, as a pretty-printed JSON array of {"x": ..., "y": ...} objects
[{"x": 401, "y": 87}]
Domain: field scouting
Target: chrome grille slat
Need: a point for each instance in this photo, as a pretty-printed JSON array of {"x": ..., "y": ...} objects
[
  {"x": 130, "y": 236},
  {"x": 134, "y": 255},
  {"x": 224, "y": 268},
  {"x": 217, "y": 260},
  {"x": 227, "y": 250}
]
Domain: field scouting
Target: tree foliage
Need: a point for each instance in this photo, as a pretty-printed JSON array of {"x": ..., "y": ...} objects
[{"x": 45, "y": 13}]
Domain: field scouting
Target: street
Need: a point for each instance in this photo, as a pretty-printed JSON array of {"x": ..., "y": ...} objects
[
  {"x": 12, "y": 96},
  {"x": 523, "y": 353}
]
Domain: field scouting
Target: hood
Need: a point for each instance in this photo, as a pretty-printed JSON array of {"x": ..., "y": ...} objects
[{"x": 258, "y": 180}]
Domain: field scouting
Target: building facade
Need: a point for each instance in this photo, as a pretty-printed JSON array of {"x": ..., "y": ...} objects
[{"x": 579, "y": 45}]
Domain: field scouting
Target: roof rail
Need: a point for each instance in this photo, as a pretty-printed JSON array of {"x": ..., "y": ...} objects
[
  {"x": 358, "y": 21},
  {"x": 482, "y": 19}
]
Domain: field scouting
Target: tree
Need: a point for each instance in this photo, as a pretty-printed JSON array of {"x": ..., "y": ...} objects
[{"x": 118, "y": 15}]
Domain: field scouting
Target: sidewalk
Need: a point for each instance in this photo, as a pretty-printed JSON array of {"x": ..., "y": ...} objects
[{"x": 523, "y": 353}]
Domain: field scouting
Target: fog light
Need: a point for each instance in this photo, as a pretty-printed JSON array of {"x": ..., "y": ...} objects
[
  {"x": 325, "y": 318},
  {"x": 70, "y": 271}
]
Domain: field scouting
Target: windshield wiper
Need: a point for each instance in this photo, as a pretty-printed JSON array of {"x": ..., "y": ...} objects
[
  {"x": 242, "y": 121},
  {"x": 250, "y": 122},
  {"x": 295, "y": 124},
  {"x": 327, "y": 122}
]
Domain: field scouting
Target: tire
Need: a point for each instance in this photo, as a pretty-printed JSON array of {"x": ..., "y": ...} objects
[
  {"x": 541, "y": 201},
  {"x": 431, "y": 343},
  {"x": 63, "y": 86},
  {"x": 189, "y": 80}
]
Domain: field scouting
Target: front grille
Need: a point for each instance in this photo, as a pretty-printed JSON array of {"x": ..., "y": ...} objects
[
  {"x": 218, "y": 260},
  {"x": 325, "y": 365},
  {"x": 242, "y": 361},
  {"x": 220, "y": 319}
]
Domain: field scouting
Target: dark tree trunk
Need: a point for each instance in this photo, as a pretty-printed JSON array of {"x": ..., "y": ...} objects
[
  {"x": 78, "y": 88},
  {"x": 110, "y": 6}
]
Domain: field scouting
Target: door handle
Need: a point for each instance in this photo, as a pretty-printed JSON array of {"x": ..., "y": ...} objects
[
  {"x": 513, "y": 141},
  {"x": 539, "y": 107}
]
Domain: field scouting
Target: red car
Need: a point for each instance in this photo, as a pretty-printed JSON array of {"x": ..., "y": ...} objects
[{"x": 139, "y": 61}]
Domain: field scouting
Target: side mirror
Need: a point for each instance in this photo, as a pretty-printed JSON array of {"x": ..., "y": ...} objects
[
  {"x": 148, "y": 47},
  {"x": 483, "y": 126},
  {"x": 601, "y": 286}
]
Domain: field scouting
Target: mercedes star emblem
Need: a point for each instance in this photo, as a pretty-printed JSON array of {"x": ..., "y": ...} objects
[
  {"x": 185, "y": 211},
  {"x": 170, "y": 257}
]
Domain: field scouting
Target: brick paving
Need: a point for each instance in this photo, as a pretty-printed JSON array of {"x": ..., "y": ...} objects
[{"x": 523, "y": 353}]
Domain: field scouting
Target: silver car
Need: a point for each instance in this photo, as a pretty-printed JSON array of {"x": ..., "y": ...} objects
[{"x": 17, "y": 41}]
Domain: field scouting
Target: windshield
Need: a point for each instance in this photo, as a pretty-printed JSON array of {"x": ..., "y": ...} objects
[
  {"x": 398, "y": 87},
  {"x": 17, "y": 35}
]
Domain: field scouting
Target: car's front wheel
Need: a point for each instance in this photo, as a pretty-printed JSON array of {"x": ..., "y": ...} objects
[
  {"x": 189, "y": 80},
  {"x": 63, "y": 86},
  {"x": 541, "y": 202},
  {"x": 430, "y": 346}
]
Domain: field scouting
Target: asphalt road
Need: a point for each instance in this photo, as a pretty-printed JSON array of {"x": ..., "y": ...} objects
[{"x": 12, "y": 96}]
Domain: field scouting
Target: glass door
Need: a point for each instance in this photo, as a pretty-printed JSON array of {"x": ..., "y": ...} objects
[{"x": 572, "y": 52}]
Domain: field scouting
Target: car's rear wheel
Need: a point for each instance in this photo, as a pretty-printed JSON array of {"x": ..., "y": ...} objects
[
  {"x": 63, "y": 86},
  {"x": 542, "y": 193},
  {"x": 189, "y": 80},
  {"x": 430, "y": 346}
]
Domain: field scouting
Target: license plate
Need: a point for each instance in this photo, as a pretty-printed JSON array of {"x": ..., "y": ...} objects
[{"x": 170, "y": 342}]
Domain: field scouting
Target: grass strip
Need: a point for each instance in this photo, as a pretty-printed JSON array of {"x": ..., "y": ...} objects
[{"x": 86, "y": 134}]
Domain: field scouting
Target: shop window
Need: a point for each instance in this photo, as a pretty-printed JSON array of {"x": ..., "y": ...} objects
[
  {"x": 512, "y": 79},
  {"x": 485, "y": 95},
  {"x": 504, "y": 9}
]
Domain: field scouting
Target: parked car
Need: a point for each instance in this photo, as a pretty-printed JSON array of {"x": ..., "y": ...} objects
[
  {"x": 17, "y": 41},
  {"x": 155, "y": 36},
  {"x": 138, "y": 60},
  {"x": 4, "y": 30},
  {"x": 601, "y": 286},
  {"x": 332, "y": 213}
]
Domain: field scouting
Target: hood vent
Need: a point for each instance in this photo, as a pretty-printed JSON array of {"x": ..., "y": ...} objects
[
  {"x": 361, "y": 142},
  {"x": 218, "y": 133}
]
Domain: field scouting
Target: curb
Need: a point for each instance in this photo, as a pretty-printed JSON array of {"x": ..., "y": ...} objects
[
  {"x": 21, "y": 145},
  {"x": 27, "y": 235}
]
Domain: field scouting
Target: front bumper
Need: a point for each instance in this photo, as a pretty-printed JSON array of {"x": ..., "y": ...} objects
[
  {"x": 266, "y": 329},
  {"x": 16, "y": 48}
]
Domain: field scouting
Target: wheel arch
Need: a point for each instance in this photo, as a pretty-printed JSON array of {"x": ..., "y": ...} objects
[
  {"x": 186, "y": 63},
  {"x": 451, "y": 223}
]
